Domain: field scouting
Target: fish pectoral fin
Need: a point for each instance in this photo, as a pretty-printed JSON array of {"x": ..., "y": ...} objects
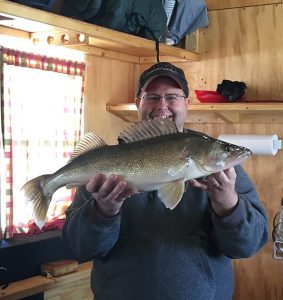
[
  {"x": 171, "y": 193},
  {"x": 173, "y": 171},
  {"x": 184, "y": 162}
]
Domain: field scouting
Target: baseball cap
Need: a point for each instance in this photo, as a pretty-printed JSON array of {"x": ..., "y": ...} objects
[{"x": 163, "y": 69}]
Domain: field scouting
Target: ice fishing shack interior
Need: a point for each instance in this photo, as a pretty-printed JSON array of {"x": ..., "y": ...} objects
[{"x": 242, "y": 42}]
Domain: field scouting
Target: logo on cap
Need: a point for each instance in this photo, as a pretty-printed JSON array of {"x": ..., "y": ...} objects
[{"x": 163, "y": 69}]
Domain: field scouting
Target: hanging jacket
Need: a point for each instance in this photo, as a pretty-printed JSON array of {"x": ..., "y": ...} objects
[
  {"x": 169, "y": 6},
  {"x": 82, "y": 10},
  {"x": 188, "y": 16},
  {"x": 145, "y": 18}
]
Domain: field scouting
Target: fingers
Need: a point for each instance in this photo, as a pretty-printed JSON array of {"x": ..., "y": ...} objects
[
  {"x": 217, "y": 180},
  {"x": 103, "y": 186},
  {"x": 202, "y": 184},
  {"x": 220, "y": 188},
  {"x": 230, "y": 173},
  {"x": 109, "y": 193},
  {"x": 117, "y": 190},
  {"x": 95, "y": 183},
  {"x": 222, "y": 178},
  {"x": 126, "y": 194}
]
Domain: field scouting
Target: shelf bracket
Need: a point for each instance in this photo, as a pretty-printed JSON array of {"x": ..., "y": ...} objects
[{"x": 229, "y": 117}]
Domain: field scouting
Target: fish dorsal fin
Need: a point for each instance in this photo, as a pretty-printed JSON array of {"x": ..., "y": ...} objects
[
  {"x": 148, "y": 129},
  {"x": 89, "y": 142},
  {"x": 171, "y": 193}
]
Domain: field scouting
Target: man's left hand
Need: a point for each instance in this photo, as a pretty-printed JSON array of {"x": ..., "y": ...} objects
[{"x": 220, "y": 188}]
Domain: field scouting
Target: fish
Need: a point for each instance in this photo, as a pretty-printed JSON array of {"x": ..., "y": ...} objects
[{"x": 151, "y": 155}]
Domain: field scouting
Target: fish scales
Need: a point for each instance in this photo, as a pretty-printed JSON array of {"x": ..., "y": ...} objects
[
  {"x": 153, "y": 155},
  {"x": 135, "y": 161}
]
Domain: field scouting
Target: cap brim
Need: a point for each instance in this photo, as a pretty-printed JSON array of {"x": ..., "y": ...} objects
[{"x": 160, "y": 74}]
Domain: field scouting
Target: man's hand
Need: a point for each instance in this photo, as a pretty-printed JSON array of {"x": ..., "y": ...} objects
[
  {"x": 220, "y": 188},
  {"x": 109, "y": 193}
]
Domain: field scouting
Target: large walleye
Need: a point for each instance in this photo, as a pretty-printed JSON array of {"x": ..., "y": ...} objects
[{"x": 153, "y": 156}]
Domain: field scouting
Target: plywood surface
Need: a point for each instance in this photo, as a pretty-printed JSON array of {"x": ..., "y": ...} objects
[
  {"x": 107, "y": 80},
  {"x": 227, "y": 4},
  {"x": 258, "y": 277},
  {"x": 242, "y": 45},
  {"x": 80, "y": 289},
  {"x": 214, "y": 113},
  {"x": 38, "y": 284},
  {"x": 47, "y": 24},
  {"x": 247, "y": 45}
]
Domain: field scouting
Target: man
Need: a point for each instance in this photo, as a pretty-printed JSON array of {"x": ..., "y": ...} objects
[{"x": 143, "y": 251}]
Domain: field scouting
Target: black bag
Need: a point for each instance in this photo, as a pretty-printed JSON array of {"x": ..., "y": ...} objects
[{"x": 231, "y": 90}]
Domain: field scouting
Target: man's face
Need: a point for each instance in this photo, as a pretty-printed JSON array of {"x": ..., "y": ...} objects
[{"x": 176, "y": 110}]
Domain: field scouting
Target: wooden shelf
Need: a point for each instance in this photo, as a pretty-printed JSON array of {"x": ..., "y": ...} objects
[
  {"x": 214, "y": 113},
  {"x": 37, "y": 284},
  {"x": 55, "y": 29}
]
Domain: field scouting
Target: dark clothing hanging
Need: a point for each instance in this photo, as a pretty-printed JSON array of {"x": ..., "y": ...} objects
[
  {"x": 145, "y": 18},
  {"x": 188, "y": 16}
]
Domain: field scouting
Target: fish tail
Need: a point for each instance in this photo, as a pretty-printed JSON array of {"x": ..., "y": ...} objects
[{"x": 38, "y": 197}]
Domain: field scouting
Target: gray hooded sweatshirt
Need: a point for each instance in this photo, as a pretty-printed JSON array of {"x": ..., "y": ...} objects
[{"x": 148, "y": 252}]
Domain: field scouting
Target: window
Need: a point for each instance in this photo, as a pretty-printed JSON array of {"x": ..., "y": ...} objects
[{"x": 41, "y": 121}]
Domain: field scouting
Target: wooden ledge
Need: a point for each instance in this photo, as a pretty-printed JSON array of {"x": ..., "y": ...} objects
[
  {"x": 58, "y": 30},
  {"x": 38, "y": 284},
  {"x": 267, "y": 112}
]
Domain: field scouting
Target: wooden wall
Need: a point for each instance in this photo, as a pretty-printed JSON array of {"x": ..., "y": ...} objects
[
  {"x": 244, "y": 44},
  {"x": 221, "y": 4},
  {"x": 107, "y": 81}
]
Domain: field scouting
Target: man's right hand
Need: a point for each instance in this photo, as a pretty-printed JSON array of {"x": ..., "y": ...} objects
[{"x": 109, "y": 193}]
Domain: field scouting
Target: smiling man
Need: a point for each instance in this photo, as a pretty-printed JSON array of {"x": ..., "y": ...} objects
[
  {"x": 143, "y": 251},
  {"x": 163, "y": 92}
]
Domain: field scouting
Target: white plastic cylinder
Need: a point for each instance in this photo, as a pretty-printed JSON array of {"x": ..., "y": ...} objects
[{"x": 258, "y": 144}]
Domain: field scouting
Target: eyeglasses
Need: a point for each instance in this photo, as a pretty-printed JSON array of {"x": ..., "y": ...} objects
[{"x": 169, "y": 98}]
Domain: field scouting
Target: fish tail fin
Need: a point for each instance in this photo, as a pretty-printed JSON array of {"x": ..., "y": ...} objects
[{"x": 38, "y": 197}]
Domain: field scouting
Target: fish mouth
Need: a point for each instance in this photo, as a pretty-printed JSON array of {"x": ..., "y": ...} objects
[
  {"x": 245, "y": 155},
  {"x": 241, "y": 157}
]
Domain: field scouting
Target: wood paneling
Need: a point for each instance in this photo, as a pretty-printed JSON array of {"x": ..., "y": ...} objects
[
  {"x": 243, "y": 45},
  {"x": 214, "y": 113},
  {"x": 13, "y": 32},
  {"x": 38, "y": 284},
  {"x": 79, "y": 289},
  {"x": 224, "y": 4},
  {"x": 48, "y": 27},
  {"x": 107, "y": 80},
  {"x": 258, "y": 277},
  {"x": 247, "y": 45}
]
